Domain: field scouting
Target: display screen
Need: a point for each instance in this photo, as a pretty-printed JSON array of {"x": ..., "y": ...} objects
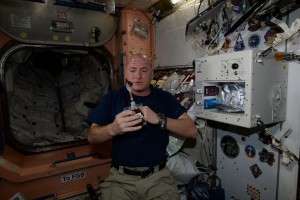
[{"x": 62, "y": 26}]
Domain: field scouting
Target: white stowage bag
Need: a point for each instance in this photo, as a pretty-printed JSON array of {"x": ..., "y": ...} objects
[
  {"x": 183, "y": 167},
  {"x": 176, "y": 142}
]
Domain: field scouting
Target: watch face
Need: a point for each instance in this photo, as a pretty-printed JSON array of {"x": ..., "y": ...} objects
[{"x": 162, "y": 121}]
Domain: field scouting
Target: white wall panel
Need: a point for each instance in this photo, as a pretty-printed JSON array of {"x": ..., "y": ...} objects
[
  {"x": 236, "y": 175},
  {"x": 172, "y": 48}
]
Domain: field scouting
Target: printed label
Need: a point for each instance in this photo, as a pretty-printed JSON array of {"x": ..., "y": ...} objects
[
  {"x": 20, "y": 21},
  {"x": 72, "y": 177}
]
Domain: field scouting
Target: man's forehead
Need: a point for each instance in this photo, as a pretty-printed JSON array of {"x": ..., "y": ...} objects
[
  {"x": 138, "y": 59},
  {"x": 138, "y": 64}
]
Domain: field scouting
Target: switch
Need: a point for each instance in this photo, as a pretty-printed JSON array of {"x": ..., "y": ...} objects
[
  {"x": 199, "y": 103},
  {"x": 96, "y": 33},
  {"x": 235, "y": 66},
  {"x": 199, "y": 91}
]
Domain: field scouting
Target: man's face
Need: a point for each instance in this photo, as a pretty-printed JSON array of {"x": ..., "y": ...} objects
[{"x": 140, "y": 73}]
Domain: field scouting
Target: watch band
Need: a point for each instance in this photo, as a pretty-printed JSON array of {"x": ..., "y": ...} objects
[{"x": 162, "y": 122}]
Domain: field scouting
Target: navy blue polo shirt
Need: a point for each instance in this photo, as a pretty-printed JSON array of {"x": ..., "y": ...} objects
[{"x": 147, "y": 146}]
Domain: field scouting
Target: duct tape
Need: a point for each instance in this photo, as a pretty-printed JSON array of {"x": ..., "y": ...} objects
[{"x": 288, "y": 32}]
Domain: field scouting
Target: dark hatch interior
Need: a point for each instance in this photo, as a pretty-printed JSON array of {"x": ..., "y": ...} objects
[{"x": 50, "y": 93}]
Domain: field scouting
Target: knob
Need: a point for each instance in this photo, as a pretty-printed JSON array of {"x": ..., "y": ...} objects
[{"x": 235, "y": 66}]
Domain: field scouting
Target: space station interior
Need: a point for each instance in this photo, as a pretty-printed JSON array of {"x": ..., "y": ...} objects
[{"x": 232, "y": 64}]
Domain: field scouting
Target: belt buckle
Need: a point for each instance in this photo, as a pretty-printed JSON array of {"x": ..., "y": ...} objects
[{"x": 147, "y": 173}]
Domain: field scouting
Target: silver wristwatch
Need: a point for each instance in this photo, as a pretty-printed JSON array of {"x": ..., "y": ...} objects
[{"x": 162, "y": 122}]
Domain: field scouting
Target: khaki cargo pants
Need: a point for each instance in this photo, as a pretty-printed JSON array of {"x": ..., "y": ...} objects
[{"x": 158, "y": 186}]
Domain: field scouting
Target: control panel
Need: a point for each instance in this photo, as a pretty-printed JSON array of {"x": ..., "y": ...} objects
[
  {"x": 241, "y": 88},
  {"x": 57, "y": 22}
]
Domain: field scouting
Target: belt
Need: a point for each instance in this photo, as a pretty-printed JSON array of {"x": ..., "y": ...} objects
[{"x": 143, "y": 174}]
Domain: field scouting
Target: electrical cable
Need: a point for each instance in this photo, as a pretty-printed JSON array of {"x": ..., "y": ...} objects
[
  {"x": 288, "y": 156},
  {"x": 207, "y": 49},
  {"x": 201, "y": 1}
]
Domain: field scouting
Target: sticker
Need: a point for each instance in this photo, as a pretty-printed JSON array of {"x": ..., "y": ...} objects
[
  {"x": 265, "y": 156},
  {"x": 269, "y": 37},
  {"x": 255, "y": 170},
  {"x": 250, "y": 151},
  {"x": 253, "y": 192},
  {"x": 254, "y": 41},
  {"x": 72, "y": 177},
  {"x": 239, "y": 44},
  {"x": 254, "y": 24},
  {"x": 226, "y": 45}
]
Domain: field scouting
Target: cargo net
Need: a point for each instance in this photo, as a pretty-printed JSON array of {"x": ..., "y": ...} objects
[{"x": 49, "y": 104}]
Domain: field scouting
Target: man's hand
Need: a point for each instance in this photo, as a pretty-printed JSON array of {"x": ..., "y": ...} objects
[
  {"x": 149, "y": 115},
  {"x": 126, "y": 121}
]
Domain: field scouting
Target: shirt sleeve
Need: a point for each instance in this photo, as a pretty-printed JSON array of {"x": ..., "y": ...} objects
[{"x": 174, "y": 108}]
